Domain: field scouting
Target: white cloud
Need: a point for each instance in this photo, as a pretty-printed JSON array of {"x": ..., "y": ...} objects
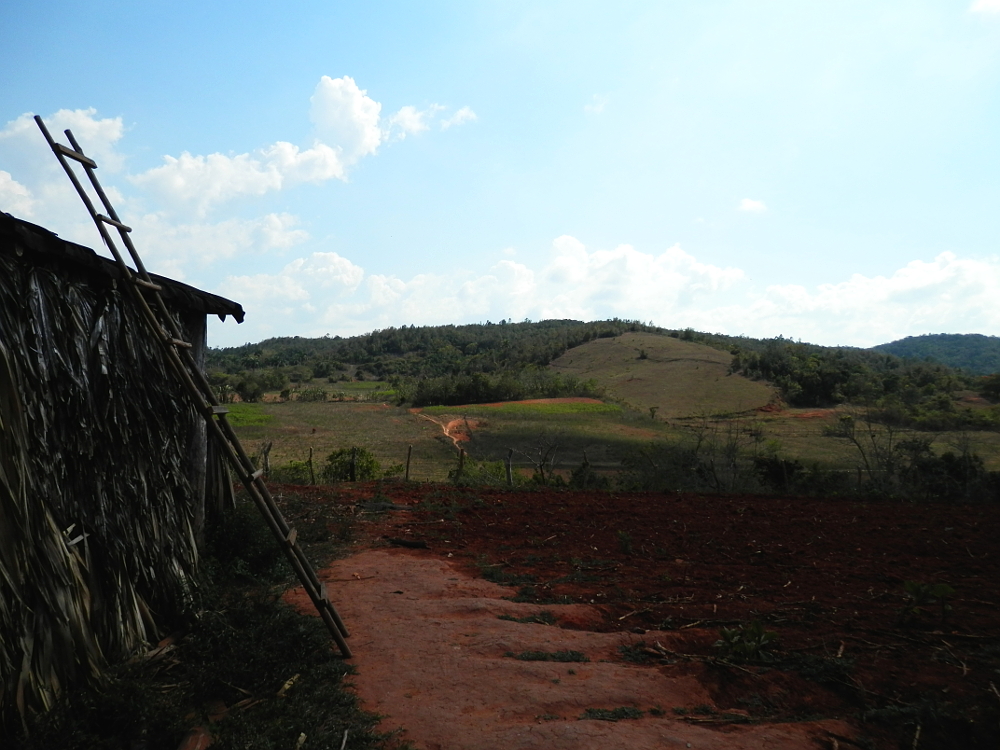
[
  {"x": 346, "y": 116},
  {"x": 173, "y": 249},
  {"x": 752, "y": 206},
  {"x": 410, "y": 120},
  {"x": 97, "y": 137},
  {"x": 596, "y": 105},
  {"x": 462, "y": 116},
  {"x": 15, "y": 198},
  {"x": 326, "y": 293},
  {"x": 985, "y": 6},
  {"x": 348, "y": 126},
  {"x": 35, "y": 186},
  {"x": 199, "y": 183}
]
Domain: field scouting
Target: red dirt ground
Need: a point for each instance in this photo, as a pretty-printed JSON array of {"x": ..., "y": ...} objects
[{"x": 656, "y": 577}]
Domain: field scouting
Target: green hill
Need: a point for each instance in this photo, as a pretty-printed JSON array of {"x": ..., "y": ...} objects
[{"x": 973, "y": 352}]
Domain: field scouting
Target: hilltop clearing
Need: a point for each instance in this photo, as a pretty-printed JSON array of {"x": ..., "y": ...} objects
[{"x": 675, "y": 378}]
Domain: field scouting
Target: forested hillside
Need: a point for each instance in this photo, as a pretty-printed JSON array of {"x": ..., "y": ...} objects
[
  {"x": 428, "y": 364},
  {"x": 972, "y": 352},
  {"x": 509, "y": 361}
]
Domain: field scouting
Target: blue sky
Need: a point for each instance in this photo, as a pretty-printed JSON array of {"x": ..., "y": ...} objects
[{"x": 826, "y": 171}]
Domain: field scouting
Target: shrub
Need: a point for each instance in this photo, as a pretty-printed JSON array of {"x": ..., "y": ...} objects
[
  {"x": 745, "y": 643},
  {"x": 312, "y": 394},
  {"x": 294, "y": 472},
  {"x": 338, "y": 465}
]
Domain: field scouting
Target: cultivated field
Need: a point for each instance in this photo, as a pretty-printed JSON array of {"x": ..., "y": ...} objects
[
  {"x": 686, "y": 384},
  {"x": 730, "y": 621}
]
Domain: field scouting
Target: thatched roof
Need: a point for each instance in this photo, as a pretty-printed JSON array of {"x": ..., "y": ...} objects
[
  {"x": 98, "y": 487},
  {"x": 47, "y": 248}
]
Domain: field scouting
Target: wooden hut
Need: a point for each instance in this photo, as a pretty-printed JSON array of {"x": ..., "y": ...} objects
[{"x": 105, "y": 474}]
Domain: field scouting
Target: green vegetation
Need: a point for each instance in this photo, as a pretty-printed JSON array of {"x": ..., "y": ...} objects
[
  {"x": 972, "y": 352},
  {"x": 613, "y": 714},
  {"x": 352, "y": 465},
  {"x": 745, "y": 643},
  {"x": 248, "y": 415},
  {"x": 679, "y": 418},
  {"x": 516, "y": 409},
  {"x": 562, "y": 656}
]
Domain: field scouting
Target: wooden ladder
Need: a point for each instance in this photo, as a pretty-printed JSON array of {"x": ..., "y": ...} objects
[{"x": 145, "y": 293}]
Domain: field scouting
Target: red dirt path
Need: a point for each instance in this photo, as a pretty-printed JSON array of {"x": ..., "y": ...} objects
[{"x": 640, "y": 570}]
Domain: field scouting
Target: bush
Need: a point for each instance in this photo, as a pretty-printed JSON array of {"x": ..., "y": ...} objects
[
  {"x": 243, "y": 545},
  {"x": 312, "y": 394},
  {"x": 294, "y": 472},
  {"x": 659, "y": 467},
  {"x": 491, "y": 473},
  {"x": 338, "y": 466}
]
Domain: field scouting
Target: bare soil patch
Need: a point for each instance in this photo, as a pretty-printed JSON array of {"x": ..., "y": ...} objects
[{"x": 641, "y": 584}]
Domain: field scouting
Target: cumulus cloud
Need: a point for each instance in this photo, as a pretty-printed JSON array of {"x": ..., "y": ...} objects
[
  {"x": 985, "y": 6},
  {"x": 752, "y": 206},
  {"x": 15, "y": 198},
  {"x": 176, "y": 249},
  {"x": 33, "y": 185},
  {"x": 326, "y": 293},
  {"x": 462, "y": 116},
  {"x": 348, "y": 126},
  {"x": 345, "y": 115},
  {"x": 409, "y": 120},
  {"x": 199, "y": 183}
]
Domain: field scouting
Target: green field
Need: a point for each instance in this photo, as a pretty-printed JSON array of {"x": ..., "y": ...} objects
[
  {"x": 659, "y": 390},
  {"x": 294, "y": 428}
]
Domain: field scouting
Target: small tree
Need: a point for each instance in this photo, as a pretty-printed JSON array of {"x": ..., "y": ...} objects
[
  {"x": 351, "y": 464},
  {"x": 878, "y": 447}
]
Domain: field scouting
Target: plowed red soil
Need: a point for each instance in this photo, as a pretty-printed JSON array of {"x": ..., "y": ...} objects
[{"x": 643, "y": 583}]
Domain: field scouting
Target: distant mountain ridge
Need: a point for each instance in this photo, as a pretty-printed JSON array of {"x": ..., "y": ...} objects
[{"x": 973, "y": 352}]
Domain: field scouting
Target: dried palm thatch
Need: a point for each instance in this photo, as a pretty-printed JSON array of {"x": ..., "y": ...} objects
[{"x": 98, "y": 498}]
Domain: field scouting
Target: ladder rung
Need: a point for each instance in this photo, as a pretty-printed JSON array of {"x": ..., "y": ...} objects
[
  {"x": 164, "y": 330},
  {"x": 75, "y": 155},
  {"x": 112, "y": 222}
]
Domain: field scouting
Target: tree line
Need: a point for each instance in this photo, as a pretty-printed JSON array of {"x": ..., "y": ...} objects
[{"x": 507, "y": 361}]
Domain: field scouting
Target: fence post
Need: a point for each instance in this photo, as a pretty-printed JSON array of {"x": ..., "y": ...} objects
[
  {"x": 312, "y": 474},
  {"x": 354, "y": 464},
  {"x": 409, "y": 452},
  {"x": 510, "y": 472},
  {"x": 461, "y": 464}
]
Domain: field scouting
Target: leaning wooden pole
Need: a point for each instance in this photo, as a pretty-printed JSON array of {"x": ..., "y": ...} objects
[{"x": 162, "y": 326}]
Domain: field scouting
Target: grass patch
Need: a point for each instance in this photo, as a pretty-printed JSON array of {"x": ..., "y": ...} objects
[
  {"x": 518, "y": 409},
  {"x": 563, "y": 656},
  {"x": 248, "y": 415},
  {"x": 613, "y": 714},
  {"x": 635, "y": 653}
]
